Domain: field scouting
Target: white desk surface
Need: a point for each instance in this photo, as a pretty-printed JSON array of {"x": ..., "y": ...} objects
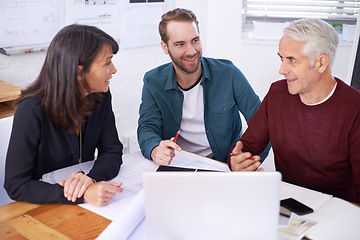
[{"x": 127, "y": 209}]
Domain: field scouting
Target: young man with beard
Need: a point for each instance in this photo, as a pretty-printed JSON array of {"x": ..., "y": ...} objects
[{"x": 199, "y": 96}]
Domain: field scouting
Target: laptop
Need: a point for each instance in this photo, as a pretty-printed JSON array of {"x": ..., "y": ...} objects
[{"x": 212, "y": 205}]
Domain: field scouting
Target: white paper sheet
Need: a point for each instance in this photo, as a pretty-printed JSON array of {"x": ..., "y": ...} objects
[
  {"x": 299, "y": 226},
  {"x": 187, "y": 159},
  {"x": 308, "y": 197},
  {"x": 130, "y": 175},
  {"x": 62, "y": 174},
  {"x": 344, "y": 223}
]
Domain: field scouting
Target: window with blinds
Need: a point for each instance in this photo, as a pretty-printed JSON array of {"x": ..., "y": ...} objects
[{"x": 334, "y": 12}]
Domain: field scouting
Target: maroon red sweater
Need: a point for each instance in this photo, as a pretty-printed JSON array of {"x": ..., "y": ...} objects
[{"x": 317, "y": 147}]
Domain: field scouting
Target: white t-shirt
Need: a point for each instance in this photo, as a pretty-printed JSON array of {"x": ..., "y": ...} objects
[
  {"x": 192, "y": 135},
  {"x": 325, "y": 99}
]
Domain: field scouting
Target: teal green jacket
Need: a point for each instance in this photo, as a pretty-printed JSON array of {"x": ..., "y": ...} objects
[{"x": 226, "y": 92}]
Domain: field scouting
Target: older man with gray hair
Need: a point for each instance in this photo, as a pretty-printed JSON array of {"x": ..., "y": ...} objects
[{"x": 311, "y": 118}]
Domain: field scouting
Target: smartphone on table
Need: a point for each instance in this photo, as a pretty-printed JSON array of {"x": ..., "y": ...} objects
[{"x": 295, "y": 206}]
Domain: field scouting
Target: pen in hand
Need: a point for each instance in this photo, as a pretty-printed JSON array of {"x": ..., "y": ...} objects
[
  {"x": 174, "y": 140},
  {"x": 176, "y": 136},
  {"x": 252, "y": 158},
  {"x": 234, "y": 154}
]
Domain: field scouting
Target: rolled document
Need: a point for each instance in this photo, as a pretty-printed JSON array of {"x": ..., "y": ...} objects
[{"x": 123, "y": 226}]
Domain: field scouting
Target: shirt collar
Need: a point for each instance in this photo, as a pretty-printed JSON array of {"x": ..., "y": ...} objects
[{"x": 171, "y": 79}]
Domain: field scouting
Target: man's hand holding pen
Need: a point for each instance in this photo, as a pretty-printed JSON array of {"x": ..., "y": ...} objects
[
  {"x": 240, "y": 161},
  {"x": 163, "y": 154}
]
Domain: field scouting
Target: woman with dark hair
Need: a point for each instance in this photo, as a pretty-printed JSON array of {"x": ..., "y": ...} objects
[{"x": 62, "y": 118}]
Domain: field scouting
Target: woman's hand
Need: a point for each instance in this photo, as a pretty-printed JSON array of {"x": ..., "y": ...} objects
[
  {"x": 101, "y": 193},
  {"x": 76, "y": 185}
]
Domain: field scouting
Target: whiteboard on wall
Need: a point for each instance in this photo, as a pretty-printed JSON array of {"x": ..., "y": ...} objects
[
  {"x": 99, "y": 13},
  {"x": 139, "y": 21},
  {"x": 31, "y": 24}
]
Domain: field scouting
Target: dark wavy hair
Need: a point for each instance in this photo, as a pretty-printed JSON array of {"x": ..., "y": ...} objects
[
  {"x": 179, "y": 15},
  {"x": 57, "y": 87}
]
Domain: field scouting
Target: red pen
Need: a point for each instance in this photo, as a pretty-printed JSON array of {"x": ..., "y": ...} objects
[
  {"x": 234, "y": 154},
  {"x": 176, "y": 136}
]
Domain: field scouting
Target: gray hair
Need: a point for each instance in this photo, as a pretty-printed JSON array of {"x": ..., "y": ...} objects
[{"x": 320, "y": 38}]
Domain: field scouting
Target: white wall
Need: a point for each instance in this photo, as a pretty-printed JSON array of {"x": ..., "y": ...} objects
[{"x": 220, "y": 30}]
